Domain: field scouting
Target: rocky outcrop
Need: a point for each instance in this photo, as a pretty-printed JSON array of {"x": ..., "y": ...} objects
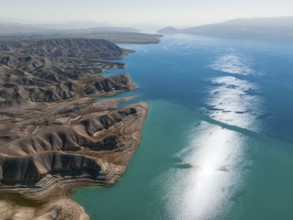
[
  {"x": 68, "y": 149},
  {"x": 63, "y": 48},
  {"x": 35, "y": 72},
  {"x": 87, "y": 48},
  {"x": 53, "y": 135}
]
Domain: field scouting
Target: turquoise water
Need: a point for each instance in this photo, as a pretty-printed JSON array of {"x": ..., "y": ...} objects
[{"x": 217, "y": 143}]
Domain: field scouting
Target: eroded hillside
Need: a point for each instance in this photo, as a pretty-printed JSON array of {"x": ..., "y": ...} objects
[{"x": 53, "y": 135}]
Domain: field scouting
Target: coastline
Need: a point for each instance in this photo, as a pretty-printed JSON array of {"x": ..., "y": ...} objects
[
  {"x": 62, "y": 139},
  {"x": 54, "y": 200}
]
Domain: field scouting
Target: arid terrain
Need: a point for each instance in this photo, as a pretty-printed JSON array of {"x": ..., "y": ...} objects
[{"x": 54, "y": 136}]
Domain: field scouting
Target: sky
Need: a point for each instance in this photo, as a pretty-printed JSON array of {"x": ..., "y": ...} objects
[{"x": 179, "y": 13}]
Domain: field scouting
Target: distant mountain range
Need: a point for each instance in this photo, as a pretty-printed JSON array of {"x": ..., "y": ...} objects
[
  {"x": 244, "y": 27},
  {"x": 8, "y": 28},
  {"x": 74, "y": 24},
  {"x": 15, "y": 28}
]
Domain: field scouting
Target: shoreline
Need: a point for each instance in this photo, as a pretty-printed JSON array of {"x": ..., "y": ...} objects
[
  {"x": 55, "y": 200},
  {"x": 57, "y": 138}
]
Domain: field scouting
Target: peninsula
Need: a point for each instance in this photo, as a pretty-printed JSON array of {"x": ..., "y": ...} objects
[{"x": 54, "y": 135}]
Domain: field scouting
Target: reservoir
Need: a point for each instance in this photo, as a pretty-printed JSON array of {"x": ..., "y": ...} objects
[{"x": 218, "y": 139}]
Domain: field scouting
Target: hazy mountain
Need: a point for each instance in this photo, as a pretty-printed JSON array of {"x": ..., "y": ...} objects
[
  {"x": 169, "y": 30},
  {"x": 73, "y": 25},
  {"x": 9, "y": 28},
  {"x": 146, "y": 27},
  {"x": 113, "y": 29},
  {"x": 245, "y": 27},
  {"x": 15, "y": 28}
]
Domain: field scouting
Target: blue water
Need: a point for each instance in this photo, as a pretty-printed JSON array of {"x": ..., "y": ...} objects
[{"x": 217, "y": 143}]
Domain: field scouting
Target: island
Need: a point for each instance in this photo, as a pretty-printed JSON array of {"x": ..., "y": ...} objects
[{"x": 57, "y": 129}]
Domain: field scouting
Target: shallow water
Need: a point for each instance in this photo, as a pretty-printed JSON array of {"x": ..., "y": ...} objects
[{"x": 217, "y": 143}]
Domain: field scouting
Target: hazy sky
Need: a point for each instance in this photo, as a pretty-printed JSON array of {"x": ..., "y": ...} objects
[{"x": 161, "y": 12}]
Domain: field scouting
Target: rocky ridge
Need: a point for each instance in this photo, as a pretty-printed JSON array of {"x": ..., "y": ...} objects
[{"x": 53, "y": 135}]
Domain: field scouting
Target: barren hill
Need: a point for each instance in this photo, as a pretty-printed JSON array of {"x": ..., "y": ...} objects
[{"x": 53, "y": 135}]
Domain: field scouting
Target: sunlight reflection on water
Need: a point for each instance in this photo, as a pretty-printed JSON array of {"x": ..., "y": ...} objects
[
  {"x": 235, "y": 102},
  {"x": 233, "y": 63},
  {"x": 216, "y": 163},
  {"x": 215, "y": 155}
]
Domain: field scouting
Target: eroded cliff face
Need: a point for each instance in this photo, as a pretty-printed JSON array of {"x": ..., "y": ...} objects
[
  {"x": 53, "y": 135},
  {"x": 71, "y": 146}
]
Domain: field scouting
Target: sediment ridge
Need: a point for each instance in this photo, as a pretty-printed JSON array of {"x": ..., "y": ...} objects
[{"x": 54, "y": 136}]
